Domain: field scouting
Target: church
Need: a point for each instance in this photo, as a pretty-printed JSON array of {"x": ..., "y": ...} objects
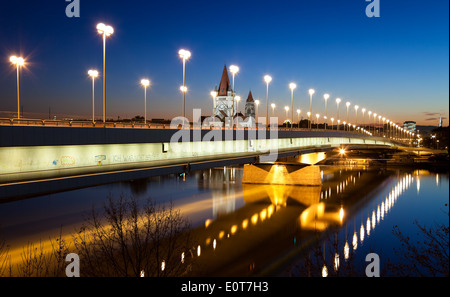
[{"x": 223, "y": 104}]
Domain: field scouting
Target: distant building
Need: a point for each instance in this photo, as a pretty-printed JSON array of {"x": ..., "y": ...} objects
[
  {"x": 224, "y": 103},
  {"x": 410, "y": 126}
]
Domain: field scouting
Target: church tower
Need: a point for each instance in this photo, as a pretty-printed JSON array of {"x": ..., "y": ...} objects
[
  {"x": 224, "y": 99},
  {"x": 250, "y": 106}
]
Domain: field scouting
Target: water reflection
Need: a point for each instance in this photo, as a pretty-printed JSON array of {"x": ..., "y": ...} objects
[{"x": 242, "y": 228}]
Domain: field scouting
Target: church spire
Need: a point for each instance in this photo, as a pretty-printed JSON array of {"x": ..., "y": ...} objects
[
  {"x": 224, "y": 85},
  {"x": 250, "y": 97}
]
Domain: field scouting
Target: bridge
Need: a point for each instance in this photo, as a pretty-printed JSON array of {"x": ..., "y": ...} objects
[{"x": 39, "y": 159}]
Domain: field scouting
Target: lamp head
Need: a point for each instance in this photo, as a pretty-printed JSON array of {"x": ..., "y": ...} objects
[
  {"x": 145, "y": 82},
  {"x": 184, "y": 54},
  {"x": 292, "y": 86},
  {"x": 93, "y": 73},
  {"x": 311, "y": 92},
  {"x": 326, "y": 96},
  {"x": 267, "y": 79},
  {"x": 234, "y": 69}
]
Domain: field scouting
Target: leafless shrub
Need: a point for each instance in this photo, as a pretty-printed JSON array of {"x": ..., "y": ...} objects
[{"x": 132, "y": 241}]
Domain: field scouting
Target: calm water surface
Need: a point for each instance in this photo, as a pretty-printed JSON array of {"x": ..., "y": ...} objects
[{"x": 259, "y": 229}]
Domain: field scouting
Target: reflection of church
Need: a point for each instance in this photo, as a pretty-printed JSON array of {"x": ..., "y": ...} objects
[{"x": 224, "y": 104}]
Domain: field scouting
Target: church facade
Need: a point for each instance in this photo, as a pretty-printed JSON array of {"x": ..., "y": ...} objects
[{"x": 224, "y": 109}]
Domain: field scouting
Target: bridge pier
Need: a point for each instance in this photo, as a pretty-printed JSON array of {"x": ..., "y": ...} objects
[{"x": 282, "y": 174}]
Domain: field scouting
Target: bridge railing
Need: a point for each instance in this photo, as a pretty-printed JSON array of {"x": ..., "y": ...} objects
[{"x": 150, "y": 125}]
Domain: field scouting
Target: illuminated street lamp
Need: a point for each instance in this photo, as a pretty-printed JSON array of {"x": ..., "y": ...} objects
[
  {"x": 145, "y": 83},
  {"x": 184, "y": 55},
  {"x": 374, "y": 123},
  {"x": 292, "y": 86},
  {"x": 379, "y": 124},
  {"x": 332, "y": 123},
  {"x": 309, "y": 116},
  {"x": 356, "y": 114},
  {"x": 213, "y": 95},
  {"x": 317, "y": 117},
  {"x": 364, "y": 119},
  {"x": 311, "y": 93},
  {"x": 326, "y": 97},
  {"x": 267, "y": 79},
  {"x": 348, "y": 105},
  {"x": 370, "y": 113},
  {"x": 106, "y": 31},
  {"x": 257, "y": 102},
  {"x": 298, "y": 116},
  {"x": 234, "y": 70},
  {"x": 19, "y": 62},
  {"x": 384, "y": 129},
  {"x": 287, "y": 112},
  {"x": 338, "y": 101},
  {"x": 273, "y": 108},
  {"x": 238, "y": 99},
  {"x": 94, "y": 75}
]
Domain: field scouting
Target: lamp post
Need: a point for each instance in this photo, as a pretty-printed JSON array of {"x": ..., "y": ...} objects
[
  {"x": 106, "y": 31},
  {"x": 234, "y": 70},
  {"x": 273, "y": 108},
  {"x": 184, "y": 55},
  {"x": 257, "y": 102},
  {"x": 94, "y": 75},
  {"x": 292, "y": 86},
  {"x": 287, "y": 114},
  {"x": 145, "y": 83},
  {"x": 338, "y": 101},
  {"x": 370, "y": 113},
  {"x": 214, "y": 95},
  {"x": 332, "y": 123},
  {"x": 299, "y": 111},
  {"x": 384, "y": 127},
  {"x": 348, "y": 105},
  {"x": 317, "y": 123},
  {"x": 311, "y": 93},
  {"x": 379, "y": 124},
  {"x": 326, "y": 97},
  {"x": 309, "y": 117},
  {"x": 364, "y": 119},
  {"x": 19, "y": 62},
  {"x": 374, "y": 124},
  {"x": 267, "y": 79},
  {"x": 238, "y": 99},
  {"x": 356, "y": 114}
]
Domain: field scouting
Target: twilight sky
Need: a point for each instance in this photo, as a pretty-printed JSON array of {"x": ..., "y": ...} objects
[{"x": 396, "y": 65}]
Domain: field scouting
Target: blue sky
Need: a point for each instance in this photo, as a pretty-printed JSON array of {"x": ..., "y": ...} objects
[{"x": 396, "y": 65}]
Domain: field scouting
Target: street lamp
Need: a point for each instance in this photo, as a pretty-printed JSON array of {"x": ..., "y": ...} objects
[
  {"x": 145, "y": 83},
  {"x": 364, "y": 112},
  {"x": 374, "y": 123},
  {"x": 311, "y": 93},
  {"x": 379, "y": 128},
  {"x": 338, "y": 101},
  {"x": 356, "y": 114},
  {"x": 348, "y": 105},
  {"x": 287, "y": 113},
  {"x": 332, "y": 123},
  {"x": 299, "y": 111},
  {"x": 267, "y": 79},
  {"x": 238, "y": 99},
  {"x": 370, "y": 113},
  {"x": 292, "y": 86},
  {"x": 317, "y": 117},
  {"x": 19, "y": 62},
  {"x": 94, "y": 75},
  {"x": 234, "y": 70},
  {"x": 309, "y": 117},
  {"x": 106, "y": 31},
  {"x": 257, "y": 102},
  {"x": 184, "y": 55},
  {"x": 273, "y": 108},
  {"x": 384, "y": 127},
  {"x": 214, "y": 95},
  {"x": 326, "y": 97}
]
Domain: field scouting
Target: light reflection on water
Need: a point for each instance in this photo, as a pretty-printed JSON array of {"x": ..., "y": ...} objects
[{"x": 254, "y": 223}]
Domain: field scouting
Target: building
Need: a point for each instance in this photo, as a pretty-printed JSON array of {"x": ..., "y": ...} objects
[
  {"x": 224, "y": 109},
  {"x": 410, "y": 126}
]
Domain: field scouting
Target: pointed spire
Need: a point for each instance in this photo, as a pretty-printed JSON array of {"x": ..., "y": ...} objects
[
  {"x": 250, "y": 97},
  {"x": 224, "y": 85}
]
